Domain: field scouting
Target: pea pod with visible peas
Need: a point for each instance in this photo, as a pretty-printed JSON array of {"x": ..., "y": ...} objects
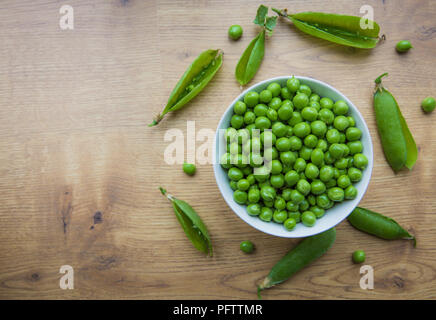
[
  {"x": 193, "y": 81},
  {"x": 378, "y": 225},
  {"x": 341, "y": 29},
  {"x": 252, "y": 57},
  {"x": 191, "y": 223},
  {"x": 398, "y": 144},
  {"x": 304, "y": 253}
]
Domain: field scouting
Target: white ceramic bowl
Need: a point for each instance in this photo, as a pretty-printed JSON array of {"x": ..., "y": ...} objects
[{"x": 333, "y": 215}]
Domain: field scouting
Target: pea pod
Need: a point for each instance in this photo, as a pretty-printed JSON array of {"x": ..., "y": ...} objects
[
  {"x": 378, "y": 225},
  {"x": 304, "y": 253},
  {"x": 341, "y": 29},
  {"x": 252, "y": 57},
  {"x": 193, "y": 81},
  {"x": 398, "y": 144},
  {"x": 191, "y": 223}
]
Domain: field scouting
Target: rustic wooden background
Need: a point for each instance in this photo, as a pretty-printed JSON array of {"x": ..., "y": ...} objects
[{"x": 79, "y": 168}]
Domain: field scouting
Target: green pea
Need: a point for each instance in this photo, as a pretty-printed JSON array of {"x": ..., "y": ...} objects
[
  {"x": 310, "y": 141},
  {"x": 336, "y": 194},
  {"x": 350, "y": 193},
  {"x": 302, "y": 129},
  {"x": 272, "y": 115},
  {"x": 290, "y": 224},
  {"x": 428, "y": 104},
  {"x": 326, "y": 116},
  {"x": 354, "y": 174},
  {"x": 237, "y": 121},
  {"x": 341, "y": 163},
  {"x": 280, "y": 216},
  {"x": 251, "y": 98},
  {"x": 305, "y": 153},
  {"x": 260, "y": 110},
  {"x": 291, "y": 178},
  {"x": 293, "y": 84},
  {"x": 300, "y": 100},
  {"x": 341, "y": 123},
  {"x": 253, "y": 209},
  {"x": 358, "y": 256},
  {"x": 234, "y": 185},
  {"x": 322, "y": 145},
  {"x": 308, "y": 218},
  {"x": 266, "y": 214},
  {"x": 265, "y": 96},
  {"x": 286, "y": 94},
  {"x": 336, "y": 151},
  {"x": 239, "y": 107},
  {"x": 311, "y": 199},
  {"x": 328, "y": 158},
  {"x": 235, "y": 32},
  {"x": 333, "y": 136},
  {"x": 353, "y": 134},
  {"x": 279, "y": 129},
  {"x": 277, "y": 181},
  {"x": 303, "y": 186},
  {"x": 240, "y": 197},
  {"x": 286, "y": 194},
  {"x": 262, "y": 123},
  {"x": 317, "y": 157},
  {"x": 311, "y": 171},
  {"x": 243, "y": 185},
  {"x": 303, "y": 206},
  {"x": 275, "y": 103},
  {"x": 355, "y": 147},
  {"x": 340, "y": 107},
  {"x": 300, "y": 165},
  {"x": 253, "y": 195},
  {"x": 268, "y": 193},
  {"x": 319, "y": 212},
  {"x": 295, "y": 143},
  {"x": 275, "y": 88},
  {"x": 296, "y": 197},
  {"x": 291, "y": 207},
  {"x": 235, "y": 174},
  {"x": 343, "y": 181},
  {"x": 360, "y": 161},
  {"x": 287, "y": 158},
  {"x": 403, "y": 46},
  {"x": 285, "y": 112},
  {"x": 283, "y": 144},
  {"x": 317, "y": 187},
  {"x": 326, "y": 103},
  {"x": 296, "y": 118},
  {"x": 322, "y": 201},
  {"x": 309, "y": 113}
]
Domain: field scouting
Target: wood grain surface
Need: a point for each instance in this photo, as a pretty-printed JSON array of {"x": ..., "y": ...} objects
[{"x": 79, "y": 168}]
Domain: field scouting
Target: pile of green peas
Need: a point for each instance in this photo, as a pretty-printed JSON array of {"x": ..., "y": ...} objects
[{"x": 310, "y": 154}]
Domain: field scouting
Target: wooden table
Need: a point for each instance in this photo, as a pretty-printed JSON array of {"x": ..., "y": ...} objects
[{"x": 79, "y": 168}]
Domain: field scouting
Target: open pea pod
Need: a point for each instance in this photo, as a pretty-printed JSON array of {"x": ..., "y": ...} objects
[
  {"x": 193, "y": 81},
  {"x": 191, "y": 223},
  {"x": 397, "y": 141},
  {"x": 341, "y": 29}
]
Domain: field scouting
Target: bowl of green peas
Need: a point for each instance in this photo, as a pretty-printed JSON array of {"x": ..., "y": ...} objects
[{"x": 292, "y": 156}]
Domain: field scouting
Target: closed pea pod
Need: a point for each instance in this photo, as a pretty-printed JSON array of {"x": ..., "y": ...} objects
[
  {"x": 398, "y": 144},
  {"x": 378, "y": 225},
  {"x": 304, "y": 253}
]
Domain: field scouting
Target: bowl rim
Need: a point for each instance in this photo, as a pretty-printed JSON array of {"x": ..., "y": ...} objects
[{"x": 217, "y": 166}]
